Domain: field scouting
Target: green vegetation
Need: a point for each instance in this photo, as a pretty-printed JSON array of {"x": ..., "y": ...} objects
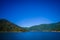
[
  {"x": 6, "y": 26},
  {"x": 46, "y": 27}
]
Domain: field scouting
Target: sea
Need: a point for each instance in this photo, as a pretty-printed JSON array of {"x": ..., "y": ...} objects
[{"x": 30, "y": 36}]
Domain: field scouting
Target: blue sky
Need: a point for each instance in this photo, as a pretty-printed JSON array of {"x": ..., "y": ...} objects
[{"x": 27, "y": 13}]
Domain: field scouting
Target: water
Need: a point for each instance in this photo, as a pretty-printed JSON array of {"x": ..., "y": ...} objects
[{"x": 30, "y": 36}]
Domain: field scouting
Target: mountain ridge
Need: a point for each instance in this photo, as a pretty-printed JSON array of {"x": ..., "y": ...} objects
[
  {"x": 6, "y": 25},
  {"x": 46, "y": 27}
]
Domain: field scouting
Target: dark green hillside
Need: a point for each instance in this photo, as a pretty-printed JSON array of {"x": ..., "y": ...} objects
[
  {"x": 46, "y": 27},
  {"x": 7, "y": 26}
]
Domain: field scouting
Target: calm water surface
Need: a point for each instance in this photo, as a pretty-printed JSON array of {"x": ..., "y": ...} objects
[{"x": 30, "y": 36}]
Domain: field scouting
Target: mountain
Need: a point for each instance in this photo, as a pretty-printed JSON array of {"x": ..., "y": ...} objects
[
  {"x": 46, "y": 27},
  {"x": 7, "y": 26}
]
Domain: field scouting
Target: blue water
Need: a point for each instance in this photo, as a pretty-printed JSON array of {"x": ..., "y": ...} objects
[{"x": 30, "y": 36}]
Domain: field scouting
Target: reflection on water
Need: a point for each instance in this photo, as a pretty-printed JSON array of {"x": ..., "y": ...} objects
[{"x": 30, "y": 36}]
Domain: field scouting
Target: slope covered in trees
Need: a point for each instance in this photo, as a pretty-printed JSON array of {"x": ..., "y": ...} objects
[
  {"x": 7, "y": 26},
  {"x": 46, "y": 27}
]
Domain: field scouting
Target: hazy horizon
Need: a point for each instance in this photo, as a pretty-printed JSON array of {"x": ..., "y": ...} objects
[{"x": 28, "y": 25}]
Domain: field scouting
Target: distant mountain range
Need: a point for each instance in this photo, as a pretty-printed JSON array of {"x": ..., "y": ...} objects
[
  {"x": 46, "y": 27},
  {"x": 7, "y": 26}
]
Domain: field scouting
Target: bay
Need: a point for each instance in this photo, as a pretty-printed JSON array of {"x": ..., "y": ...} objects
[{"x": 30, "y": 36}]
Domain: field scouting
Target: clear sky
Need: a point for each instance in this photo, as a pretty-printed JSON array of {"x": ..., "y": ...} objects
[{"x": 27, "y": 13}]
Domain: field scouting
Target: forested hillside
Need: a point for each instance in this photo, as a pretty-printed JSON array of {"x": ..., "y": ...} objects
[
  {"x": 7, "y": 26},
  {"x": 46, "y": 27}
]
